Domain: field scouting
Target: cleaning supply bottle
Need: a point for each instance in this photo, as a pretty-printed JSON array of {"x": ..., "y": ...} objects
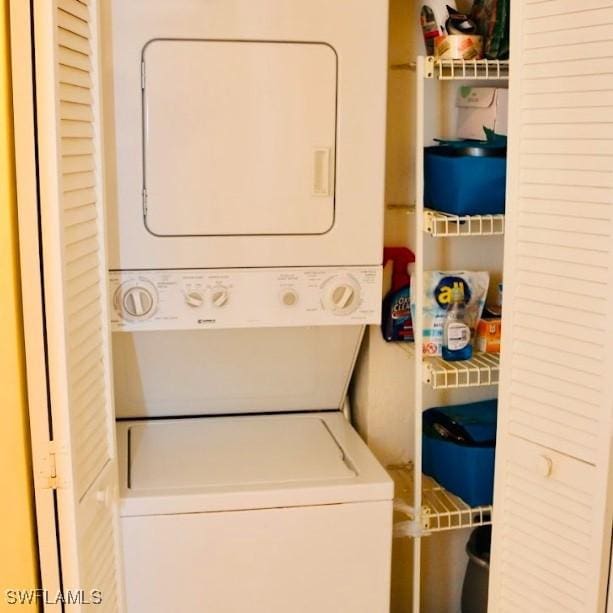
[
  {"x": 396, "y": 323},
  {"x": 456, "y": 333}
]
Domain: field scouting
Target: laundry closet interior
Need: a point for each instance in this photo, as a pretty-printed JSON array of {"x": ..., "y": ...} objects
[{"x": 206, "y": 189}]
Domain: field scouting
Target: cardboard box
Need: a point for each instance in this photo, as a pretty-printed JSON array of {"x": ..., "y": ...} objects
[
  {"x": 488, "y": 335},
  {"x": 479, "y": 107}
]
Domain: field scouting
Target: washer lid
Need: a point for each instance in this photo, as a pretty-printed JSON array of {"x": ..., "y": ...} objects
[
  {"x": 202, "y": 453},
  {"x": 245, "y": 462}
]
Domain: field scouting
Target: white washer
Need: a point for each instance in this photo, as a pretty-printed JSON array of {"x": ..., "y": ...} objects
[
  {"x": 267, "y": 514},
  {"x": 262, "y": 498}
]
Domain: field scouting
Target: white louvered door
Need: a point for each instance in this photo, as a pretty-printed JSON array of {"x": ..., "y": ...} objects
[
  {"x": 75, "y": 299},
  {"x": 552, "y": 504}
]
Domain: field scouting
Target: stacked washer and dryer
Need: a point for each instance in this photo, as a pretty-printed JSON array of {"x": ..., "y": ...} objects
[{"x": 245, "y": 177}]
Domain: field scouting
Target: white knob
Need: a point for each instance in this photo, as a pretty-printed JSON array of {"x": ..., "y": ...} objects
[
  {"x": 220, "y": 296},
  {"x": 137, "y": 302},
  {"x": 544, "y": 466},
  {"x": 341, "y": 295},
  {"x": 194, "y": 299},
  {"x": 289, "y": 298}
]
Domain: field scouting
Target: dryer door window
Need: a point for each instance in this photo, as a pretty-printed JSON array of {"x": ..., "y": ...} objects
[{"x": 239, "y": 137}]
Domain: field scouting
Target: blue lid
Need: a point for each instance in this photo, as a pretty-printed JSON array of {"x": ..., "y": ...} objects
[{"x": 476, "y": 418}]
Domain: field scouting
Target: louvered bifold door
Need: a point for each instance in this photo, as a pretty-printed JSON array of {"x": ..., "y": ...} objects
[
  {"x": 75, "y": 293},
  {"x": 552, "y": 501}
]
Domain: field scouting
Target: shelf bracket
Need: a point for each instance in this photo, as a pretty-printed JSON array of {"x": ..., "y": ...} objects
[
  {"x": 410, "y": 528},
  {"x": 429, "y": 67}
]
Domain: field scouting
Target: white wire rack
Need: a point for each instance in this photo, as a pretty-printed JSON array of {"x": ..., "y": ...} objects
[
  {"x": 481, "y": 369},
  {"x": 440, "y": 224},
  {"x": 440, "y": 509},
  {"x": 448, "y": 70},
  {"x": 488, "y": 70}
]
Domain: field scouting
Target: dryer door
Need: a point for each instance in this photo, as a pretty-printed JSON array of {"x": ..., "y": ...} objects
[{"x": 239, "y": 137}]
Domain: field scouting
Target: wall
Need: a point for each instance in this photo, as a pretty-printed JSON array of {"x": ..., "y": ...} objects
[{"x": 18, "y": 560}]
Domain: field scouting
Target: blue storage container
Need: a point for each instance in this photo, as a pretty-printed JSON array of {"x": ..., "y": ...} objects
[
  {"x": 465, "y": 180},
  {"x": 459, "y": 448}
]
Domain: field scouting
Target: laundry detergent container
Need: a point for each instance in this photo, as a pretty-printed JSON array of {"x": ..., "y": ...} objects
[
  {"x": 458, "y": 449},
  {"x": 465, "y": 178}
]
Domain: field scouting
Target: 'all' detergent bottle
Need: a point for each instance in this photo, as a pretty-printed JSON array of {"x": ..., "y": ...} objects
[{"x": 456, "y": 333}]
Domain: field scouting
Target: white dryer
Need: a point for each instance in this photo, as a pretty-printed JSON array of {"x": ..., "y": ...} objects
[{"x": 245, "y": 135}]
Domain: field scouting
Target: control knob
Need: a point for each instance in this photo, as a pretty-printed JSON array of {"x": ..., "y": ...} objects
[
  {"x": 194, "y": 299},
  {"x": 136, "y": 300},
  {"x": 341, "y": 295},
  {"x": 289, "y": 298},
  {"x": 220, "y": 296}
]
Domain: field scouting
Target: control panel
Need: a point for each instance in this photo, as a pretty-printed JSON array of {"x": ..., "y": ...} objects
[{"x": 245, "y": 298}]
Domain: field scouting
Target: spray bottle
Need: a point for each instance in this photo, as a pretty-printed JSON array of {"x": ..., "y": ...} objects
[{"x": 396, "y": 323}]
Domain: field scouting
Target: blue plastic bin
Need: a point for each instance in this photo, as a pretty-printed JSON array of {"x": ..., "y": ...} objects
[
  {"x": 465, "y": 470},
  {"x": 464, "y": 184}
]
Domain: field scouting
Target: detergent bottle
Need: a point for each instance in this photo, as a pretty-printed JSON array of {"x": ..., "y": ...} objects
[
  {"x": 396, "y": 323},
  {"x": 456, "y": 332}
]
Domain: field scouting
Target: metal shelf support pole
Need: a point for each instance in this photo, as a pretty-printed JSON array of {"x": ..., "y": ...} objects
[{"x": 417, "y": 283}]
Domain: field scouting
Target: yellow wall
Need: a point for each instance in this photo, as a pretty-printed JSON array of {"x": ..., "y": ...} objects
[{"x": 18, "y": 560}]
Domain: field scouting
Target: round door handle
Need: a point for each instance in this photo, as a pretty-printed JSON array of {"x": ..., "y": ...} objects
[{"x": 544, "y": 465}]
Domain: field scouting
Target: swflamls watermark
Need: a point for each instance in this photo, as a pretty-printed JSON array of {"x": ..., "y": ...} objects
[{"x": 39, "y": 596}]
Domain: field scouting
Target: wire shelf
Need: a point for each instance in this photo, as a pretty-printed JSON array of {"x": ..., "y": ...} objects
[
  {"x": 440, "y": 509},
  {"x": 440, "y": 224},
  {"x": 449, "y": 70},
  {"x": 482, "y": 369}
]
